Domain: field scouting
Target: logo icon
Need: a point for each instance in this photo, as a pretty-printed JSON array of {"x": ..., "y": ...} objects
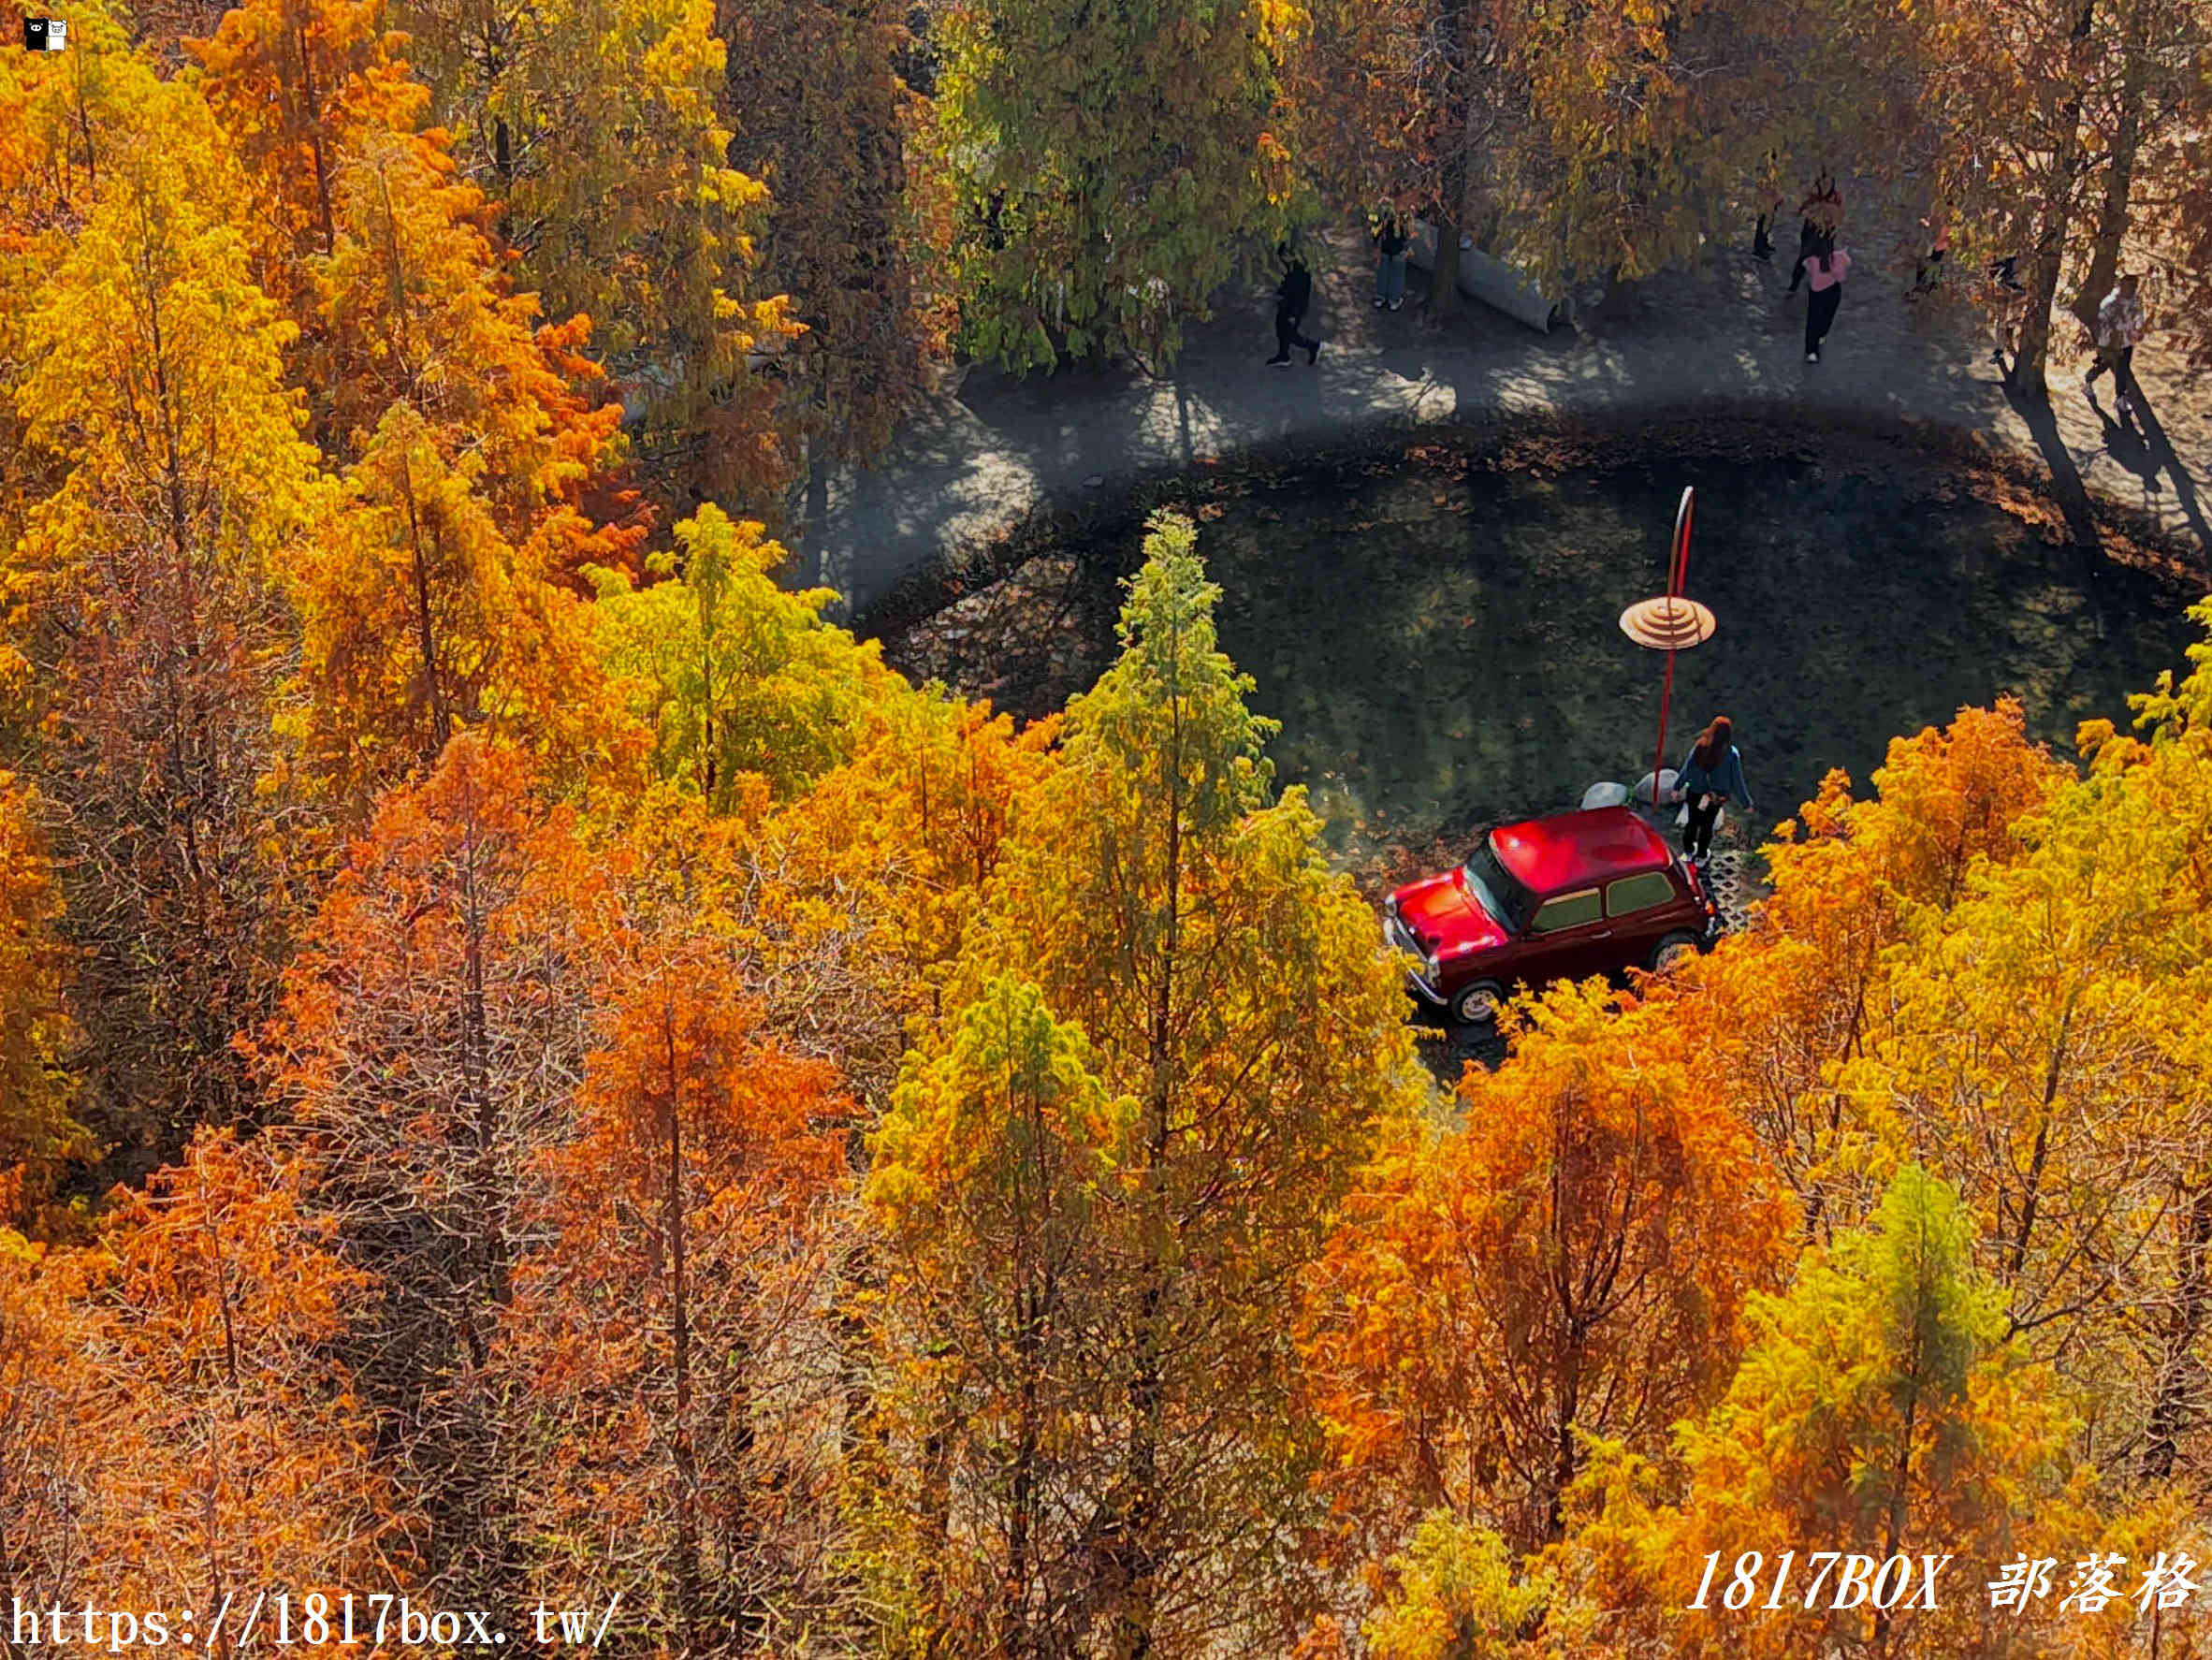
[{"x": 45, "y": 34}]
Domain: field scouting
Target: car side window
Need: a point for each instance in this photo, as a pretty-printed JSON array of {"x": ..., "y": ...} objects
[
  {"x": 1567, "y": 910},
  {"x": 1638, "y": 893}
]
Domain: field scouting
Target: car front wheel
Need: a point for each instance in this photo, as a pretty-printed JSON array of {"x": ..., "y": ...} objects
[
  {"x": 1673, "y": 952},
  {"x": 1478, "y": 1004}
]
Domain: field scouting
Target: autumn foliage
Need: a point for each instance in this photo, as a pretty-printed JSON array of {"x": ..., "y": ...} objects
[
  {"x": 534, "y": 1066},
  {"x": 1570, "y": 1260}
]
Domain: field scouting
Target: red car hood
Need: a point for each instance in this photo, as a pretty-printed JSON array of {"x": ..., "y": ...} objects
[{"x": 1446, "y": 917}]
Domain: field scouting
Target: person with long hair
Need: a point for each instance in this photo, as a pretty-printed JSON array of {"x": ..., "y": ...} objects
[
  {"x": 1391, "y": 240},
  {"x": 1827, "y": 270},
  {"x": 1821, "y": 214},
  {"x": 1711, "y": 773}
]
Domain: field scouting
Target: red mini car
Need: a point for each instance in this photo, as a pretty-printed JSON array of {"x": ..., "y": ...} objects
[{"x": 1579, "y": 894}]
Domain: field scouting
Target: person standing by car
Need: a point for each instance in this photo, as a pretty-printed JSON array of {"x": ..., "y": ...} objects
[
  {"x": 1390, "y": 242},
  {"x": 1825, "y": 272},
  {"x": 1711, "y": 773},
  {"x": 1292, "y": 296}
]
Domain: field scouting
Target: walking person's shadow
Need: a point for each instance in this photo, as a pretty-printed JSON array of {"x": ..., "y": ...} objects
[
  {"x": 2127, "y": 445},
  {"x": 2158, "y": 451}
]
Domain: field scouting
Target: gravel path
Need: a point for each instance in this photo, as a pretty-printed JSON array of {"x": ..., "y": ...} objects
[{"x": 991, "y": 448}]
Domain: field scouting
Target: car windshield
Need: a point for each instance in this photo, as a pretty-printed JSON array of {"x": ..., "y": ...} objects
[{"x": 1503, "y": 894}]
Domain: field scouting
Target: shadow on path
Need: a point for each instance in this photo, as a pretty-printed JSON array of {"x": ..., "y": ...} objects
[
  {"x": 991, "y": 450},
  {"x": 2067, "y": 488},
  {"x": 2127, "y": 447},
  {"x": 2161, "y": 453}
]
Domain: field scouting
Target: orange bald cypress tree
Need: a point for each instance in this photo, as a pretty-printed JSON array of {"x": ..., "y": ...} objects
[
  {"x": 1789, "y": 1015},
  {"x": 391, "y": 266},
  {"x": 421, "y": 621},
  {"x": 433, "y": 1031},
  {"x": 1570, "y": 1258},
  {"x": 292, "y": 81},
  {"x": 668, "y": 1332},
  {"x": 437, "y": 593},
  {"x": 49, "y": 1457},
  {"x": 415, "y": 306},
  {"x": 234, "y": 1456}
]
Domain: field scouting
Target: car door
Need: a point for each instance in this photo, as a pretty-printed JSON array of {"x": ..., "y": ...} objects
[
  {"x": 1640, "y": 910},
  {"x": 1568, "y": 938}
]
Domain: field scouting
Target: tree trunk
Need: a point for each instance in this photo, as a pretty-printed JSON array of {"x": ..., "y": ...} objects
[
  {"x": 1444, "y": 276},
  {"x": 1901, "y": 1500},
  {"x": 1451, "y": 208},
  {"x": 1016, "y": 1634},
  {"x": 1133, "y": 1558},
  {"x": 312, "y": 110},
  {"x": 935, "y": 1505},
  {"x": 2033, "y": 351},
  {"x": 426, "y": 633},
  {"x": 680, "y": 1326},
  {"x": 2119, "y": 177},
  {"x": 2180, "y": 1372}
]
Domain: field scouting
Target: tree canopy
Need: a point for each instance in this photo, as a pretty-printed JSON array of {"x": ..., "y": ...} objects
[{"x": 533, "y": 1064}]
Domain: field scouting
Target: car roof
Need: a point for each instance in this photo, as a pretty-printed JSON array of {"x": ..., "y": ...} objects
[{"x": 1569, "y": 850}]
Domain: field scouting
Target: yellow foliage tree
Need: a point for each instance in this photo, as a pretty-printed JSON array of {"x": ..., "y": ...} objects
[
  {"x": 734, "y": 677},
  {"x": 38, "y": 1138},
  {"x": 143, "y": 595},
  {"x": 421, "y": 621},
  {"x": 593, "y": 125},
  {"x": 1231, "y": 986},
  {"x": 1880, "y": 1410}
]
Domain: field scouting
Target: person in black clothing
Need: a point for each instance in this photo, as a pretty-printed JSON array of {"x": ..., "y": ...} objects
[
  {"x": 1390, "y": 242},
  {"x": 1711, "y": 775},
  {"x": 1292, "y": 296},
  {"x": 1763, "y": 245},
  {"x": 1822, "y": 211}
]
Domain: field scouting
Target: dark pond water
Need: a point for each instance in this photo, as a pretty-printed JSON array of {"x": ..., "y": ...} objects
[{"x": 1443, "y": 649}]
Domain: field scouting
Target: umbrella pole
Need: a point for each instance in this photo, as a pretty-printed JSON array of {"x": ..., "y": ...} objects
[{"x": 1678, "y": 572}]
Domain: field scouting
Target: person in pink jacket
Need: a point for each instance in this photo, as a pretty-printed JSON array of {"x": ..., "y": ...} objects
[{"x": 1825, "y": 273}]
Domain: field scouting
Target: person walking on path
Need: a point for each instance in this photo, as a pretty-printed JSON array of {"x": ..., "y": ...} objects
[
  {"x": 2120, "y": 323},
  {"x": 1928, "y": 275},
  {"x": 1763, "y": 245},
  {"x": 1819, "y": 215},
  {"x": 1292, "y": 296},
  {"x": 1390, "y": 242},
  {"x": 1825, "y": 272},
  {"x": 1711, "y": 773}
]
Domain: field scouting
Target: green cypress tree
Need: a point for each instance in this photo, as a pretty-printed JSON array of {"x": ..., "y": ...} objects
[
  {"x": 1234, "y": 994},
  {"x": 1109, "y": 163}
]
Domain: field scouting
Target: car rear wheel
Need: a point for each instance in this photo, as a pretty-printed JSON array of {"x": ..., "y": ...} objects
[
  {"x": 1673, "y": 952},
  {"x": 1478, "y": 1004}
]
